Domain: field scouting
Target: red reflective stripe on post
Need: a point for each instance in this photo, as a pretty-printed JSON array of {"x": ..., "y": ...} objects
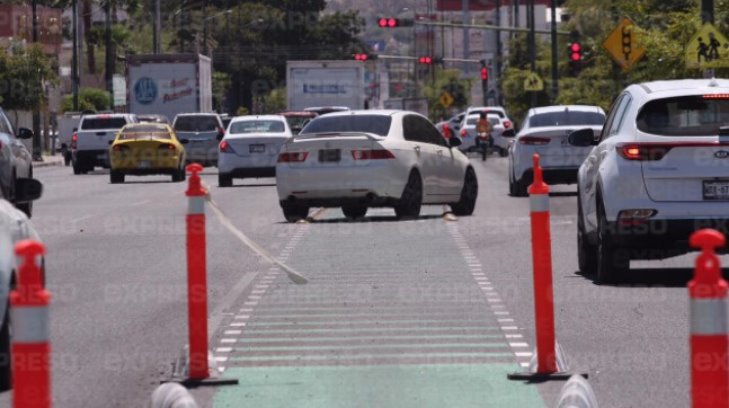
[
  {"x": 709, "y": 340},
  {"x": 30, "y": 351},
  {"x": 197, "y": 306},
  {"x": 542, "y": 267}
]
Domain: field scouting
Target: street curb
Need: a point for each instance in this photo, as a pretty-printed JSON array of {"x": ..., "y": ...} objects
[{"x": 50, "y": 163}]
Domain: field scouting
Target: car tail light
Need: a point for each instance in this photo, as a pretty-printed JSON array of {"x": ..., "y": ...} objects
[
  {"x": 225, "y": 147},
  {"x": 119, "y": 148},
  {"x": 464, "y": 133},
  {"x": 534, "y": 141},
  {"x": 717, "y": 96},
  {"x": 507, "y": 124},
  {"x": 295, "y": 157},
  {"x": 74, "y": 140},
  {"x": 643, "y": 152},
  {"x": 166, "y": 146},
  {"x": 372, "y": 154}
]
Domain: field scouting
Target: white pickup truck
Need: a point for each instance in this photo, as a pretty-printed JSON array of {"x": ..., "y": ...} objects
[{"x": 90, "y": 143}]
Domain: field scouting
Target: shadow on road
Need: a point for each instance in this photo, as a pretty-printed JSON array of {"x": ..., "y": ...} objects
[
  {"x": 251, "y": 185},
  {"x": 563, "y": 194},
  {"x": 661, "y": 277}
]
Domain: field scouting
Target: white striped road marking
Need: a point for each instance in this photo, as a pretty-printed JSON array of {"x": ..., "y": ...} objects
[
  {"x": 501, "y": 313},
  {"x": 232, "y": 332},
  {"x": 228, "y": 341},
  {"x": 492, "y": 300},
  {"x": 509, "y": 328},
  {"x": 505, "y": 320},
  {"x": 243, "y": 317},
  {"x": 254, "y": 297},
  {"x": 237, "y": 324},
  {"x": 221, "y": 359},
  {"x": 514, "y": 336},
  {"x": 250, "y": 303},
  {"x": 224, "y": 349},
  {"x": 245, "y": 310},
  {"x": 523, "y": 354},
  {"x": 518, "y": 345}
]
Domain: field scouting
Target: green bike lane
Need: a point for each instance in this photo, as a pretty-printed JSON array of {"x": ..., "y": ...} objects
[{"x": 395, "y": 314}]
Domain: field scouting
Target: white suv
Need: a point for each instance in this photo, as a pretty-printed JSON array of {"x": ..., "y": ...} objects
[{"x": 658, "y": 172}]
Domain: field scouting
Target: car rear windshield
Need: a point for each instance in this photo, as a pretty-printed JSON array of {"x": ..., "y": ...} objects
[
  {"x": 567, "y": 118},
  {"x": 488, "y": 111},
  {"x": 196, "y": 123},
  {"x": 103, "y": 123},
  {"x": 144, "y": 132},
  {"x": 376, "y": 124},
  {"x": 473, "y": 121},
  {"x": 257, "y": 126},
  {"x": 684, "y": 116}
]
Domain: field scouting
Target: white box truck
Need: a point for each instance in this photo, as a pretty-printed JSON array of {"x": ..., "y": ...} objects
[
  {"x": 168, "y": 84},
  {"x": 325, "y": 83}
]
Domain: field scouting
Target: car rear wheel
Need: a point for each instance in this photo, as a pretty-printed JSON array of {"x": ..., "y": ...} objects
[
  {"x": 586, "y": 252},
  {"x": 467, "y": 203},
  {"x": 225, "y": 180},
  {"x": 520, "y": 189},
  {"x": 79, "y": 168},
  {"x": 5, "y": 365},
  {"x": 116, "y": 177},
  {"x": 503, "y": 152},
  {"x": 179, "y": 175},
  {"x": 294, "y": 213},
  {"x": 613, "y": 263},
  {"x": 412, "y": 198},
  {"x": 354, "y": 211}
]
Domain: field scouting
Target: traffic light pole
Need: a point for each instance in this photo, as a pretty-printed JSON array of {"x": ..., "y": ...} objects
[
  {"x": 555, "y": 71},
  {"x": 490, "y": 27}
]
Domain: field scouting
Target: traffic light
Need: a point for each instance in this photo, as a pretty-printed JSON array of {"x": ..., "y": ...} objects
[
  {"x": 425, "y": 60},
  {"x": 365, "y": 57},
  {"x": 574, "y": 54},
  {"x": 484, "y": 74},
  {"x": 394, "y": 22}
]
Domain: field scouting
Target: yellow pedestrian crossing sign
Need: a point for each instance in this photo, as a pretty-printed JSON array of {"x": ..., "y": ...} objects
[
  {"x": 707, "y": 49},
  {"x": 533, "y": 82},
  {"x": 446, "y": 99},
  {"x": 622, "y": 44}
]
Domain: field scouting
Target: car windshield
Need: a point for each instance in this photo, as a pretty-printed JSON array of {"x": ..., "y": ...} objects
[
  {"x": 257, "y": 126},
  {"x": 103, "y": 123},
  {"x": 473, "y": 121},
  {"x": 144, "y": 132},
  {"x": 684, "y": 116},
  {"x": 489, "y": 111},
  {"x": 196, "y": 123},
  {"x": 567, "y": 118},
  {"x": 376, "y": 124}
]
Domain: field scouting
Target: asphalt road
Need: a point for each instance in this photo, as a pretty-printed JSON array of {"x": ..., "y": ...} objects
[{"x": 434, "y": 299}]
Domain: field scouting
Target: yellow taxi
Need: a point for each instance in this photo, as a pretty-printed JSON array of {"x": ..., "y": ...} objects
[{"x": 144, "y": 149}]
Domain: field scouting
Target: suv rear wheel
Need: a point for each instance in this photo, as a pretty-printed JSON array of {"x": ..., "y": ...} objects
[
  {"x": 586, "y": 252},
  {"x": 613, "y": 263}
]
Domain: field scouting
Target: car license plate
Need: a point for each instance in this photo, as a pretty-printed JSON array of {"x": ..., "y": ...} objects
[
  {"x": 257, "y": 148},
  {"x": 144, "y": 164},
  {"x": 330, "y": 155},
  {"x": 716, "y": 190}
]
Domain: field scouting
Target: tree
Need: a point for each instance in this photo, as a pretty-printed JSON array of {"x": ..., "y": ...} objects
[
  {"x": 89, "y": 99},
  {"x": 23, "y": 76},
  {"x": 446, "y": 80}
]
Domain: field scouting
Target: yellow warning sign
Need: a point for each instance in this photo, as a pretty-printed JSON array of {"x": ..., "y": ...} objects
[
  {"x": 533, "y": 82},
  {"x": 622, "y": 44},
  {"x": 707, "y": 49},
  {"x": 446, "y": 99}
]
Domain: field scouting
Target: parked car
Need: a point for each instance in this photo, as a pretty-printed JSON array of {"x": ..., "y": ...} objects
[
  {"x": 370, "y": 158},
  {"x": 250, "y": 147},
  {"x": 144, "y": 149},
  {"x": 657, "y": 171},
  {"x": 16, "y": 164},
  {"x": 90, "y": 143},
  {"x": 545, "y": 131},
  {"x": 201, "y": 133},
  {"x": 16, "y": 227}
]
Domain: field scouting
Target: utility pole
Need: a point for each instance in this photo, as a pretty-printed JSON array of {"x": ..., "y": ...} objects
[
  {"x": 707, "y": 11},
  {"x": 74, "y": 55},
  {"x": 157, "y": 29},
  {"x": 205, "y": 27},
  {"x": 466, "y": 35},
  {"x": 532, "y": 44},
  {"x": 37, "y": 148},
  {"x": 555, "y": 71},
  {"x": 499, "y": 51},
  {"x": 110, "y": 54}
]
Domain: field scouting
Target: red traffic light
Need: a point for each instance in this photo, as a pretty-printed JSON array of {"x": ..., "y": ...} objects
[
  {"x": 361, "y": 57},
  {"x": 425, "y": 60},
  {"x": 484, "y": 74},
  {"x": 575, "y": 47},
  {"x": 388, "y": 22},
  {"x": 575, "y": 51}
]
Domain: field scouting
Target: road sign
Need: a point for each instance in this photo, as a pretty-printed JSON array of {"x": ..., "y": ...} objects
[
  {"x": 622, "y": 44},
  {"x": 446, "y": 99},
  {"x": 707, "y": 49},
  {"x": 533, "y": 82}
]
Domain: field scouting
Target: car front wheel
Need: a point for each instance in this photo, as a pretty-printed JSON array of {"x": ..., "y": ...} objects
[
  {"x": 294, "y": 213},
  {"x": 225, "y": 180},
  {"x": 354, "y": 211},
  {"x": 116, "y": 177}
]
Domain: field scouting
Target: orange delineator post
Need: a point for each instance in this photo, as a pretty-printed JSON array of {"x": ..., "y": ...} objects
[
  {"x": 542, "y": 264},
  {"x": 31, "y": 350},
  {"x": 197, "y": 305},
  {"x": 709, "y": 340}
]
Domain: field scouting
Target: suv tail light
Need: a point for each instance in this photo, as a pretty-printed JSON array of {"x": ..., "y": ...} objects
[
  {"x": 507, "y": 124},
  {"x": 534, "y": 141},
  {"x": 225, "y": 147},
  {"x": 464, "y": 133},
  {"x": 74, "y": 140},
  {"x": 295, "y": 157},
  {"x": 643, "y": 152},
  {"x": 372, "y": 154}
]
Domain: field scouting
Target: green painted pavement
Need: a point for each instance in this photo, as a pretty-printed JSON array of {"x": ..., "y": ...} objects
[{"x": 436, "y": 386}]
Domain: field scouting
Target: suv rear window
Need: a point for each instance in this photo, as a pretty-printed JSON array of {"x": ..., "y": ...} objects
[
  {"x": 684, "y": 116},
  {"x": 196, "y": 123},
  {"x": 567, "y": 118},
  {"x": 103, "y": 123},
  {"x": 376, "y": 124}
]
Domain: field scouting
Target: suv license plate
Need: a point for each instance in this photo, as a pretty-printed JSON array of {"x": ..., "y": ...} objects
[
  {"x": 716, "y": 190},
  {"x": 144, "y": 164},
  {"x": 330, "y": 155},
  {"x": 257, "y": 148}
]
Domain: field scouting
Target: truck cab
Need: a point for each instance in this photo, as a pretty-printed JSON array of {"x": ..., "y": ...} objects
[{"x": 90, "y": 143}]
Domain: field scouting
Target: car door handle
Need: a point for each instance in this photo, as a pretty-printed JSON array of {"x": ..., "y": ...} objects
[{"x": 417, "y": 149}]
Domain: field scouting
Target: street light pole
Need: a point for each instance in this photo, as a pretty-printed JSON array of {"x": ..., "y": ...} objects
[
  {"x": 37, "y": 150},
  {"x": 555, "y": 71},
  {"x": 157, "y": 28},
  {"x": 205, "y": 28},
  {"x": 74, "y": 56}
]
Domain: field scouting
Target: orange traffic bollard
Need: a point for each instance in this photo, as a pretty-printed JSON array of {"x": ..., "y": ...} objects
[
  {"x": 31, "y": 349},
  {"x": 549, "y": 363},
  {"x": 709, "y": 340}
]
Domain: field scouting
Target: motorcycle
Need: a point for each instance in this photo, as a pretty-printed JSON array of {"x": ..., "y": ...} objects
[{"x": 484, "y": 141}]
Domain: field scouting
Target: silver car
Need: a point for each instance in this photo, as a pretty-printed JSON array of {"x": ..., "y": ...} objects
[{"x": 201, "y": 133}]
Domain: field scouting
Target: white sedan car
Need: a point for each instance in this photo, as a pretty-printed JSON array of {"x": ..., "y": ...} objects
[
  {"x": 657, "y": 173},
  {"x": 370, "y": 158},
  {"x": 250, "y": 147},
  {"x": 545, "y": 131}
]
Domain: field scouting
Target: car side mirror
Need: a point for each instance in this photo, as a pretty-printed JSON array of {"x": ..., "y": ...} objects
[
  {"x": 27, "y": 189},
  {"x": 582, "y": 138},
  {"x": 111, "y": 142},
  {"x": 184, "y": 141},
  {"x": 454, "y": 142},
  {"x": 25, "y": 133},
  {"x": 508, "y": 133},
  {"x": 75, "y": 129}
]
